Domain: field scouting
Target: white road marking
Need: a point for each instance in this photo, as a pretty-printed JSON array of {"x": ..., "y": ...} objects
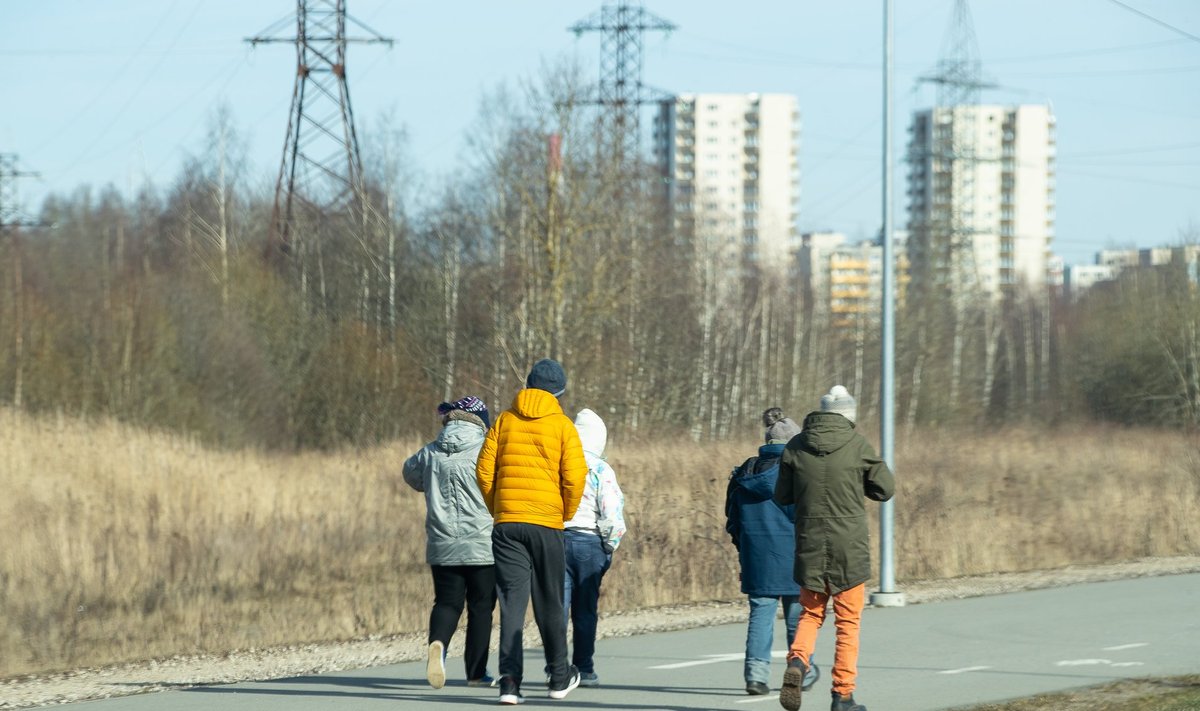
[
  {"x": 755, "y": 700},
  {"x": 1096, "y": 662},
  {"x": 1119, "y": 647},
  {"x": 711, "y": 659},
  {"x": 963, "y": 670}
]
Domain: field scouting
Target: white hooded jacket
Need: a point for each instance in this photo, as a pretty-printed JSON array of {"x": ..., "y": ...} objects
[{"x": 602, "y": 508}]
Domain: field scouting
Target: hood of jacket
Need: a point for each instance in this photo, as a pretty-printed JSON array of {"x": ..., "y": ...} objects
[
  {"x": 825, "y": 432},
  {"x": 459, "y": 435},
  {"x": 760, "y": 481},
  {"x": 592, "y": 432},
  {"x": 533, "y": 403}
]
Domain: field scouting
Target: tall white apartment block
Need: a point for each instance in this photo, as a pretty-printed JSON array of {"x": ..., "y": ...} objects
[
  {"x": 731, "y": 171},
  {"x": 981, "y": 196}
]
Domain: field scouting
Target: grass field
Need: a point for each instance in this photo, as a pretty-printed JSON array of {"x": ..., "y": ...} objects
[{"x": 123, "y": 544}]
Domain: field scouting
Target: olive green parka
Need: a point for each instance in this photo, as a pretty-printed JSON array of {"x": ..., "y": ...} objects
[{"x": 826, "y": 471}]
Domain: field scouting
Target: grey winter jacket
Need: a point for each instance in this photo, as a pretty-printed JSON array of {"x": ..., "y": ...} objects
[
  {"x": 458, "y": 527},
  {"x": 826, "y": 471}
]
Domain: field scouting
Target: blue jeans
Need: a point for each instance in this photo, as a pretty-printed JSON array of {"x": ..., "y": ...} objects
[
  {"x": 586, "y": 564},
  {"x": 760, "y": 632}
]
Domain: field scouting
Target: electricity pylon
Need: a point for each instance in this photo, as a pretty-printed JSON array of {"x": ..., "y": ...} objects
[
  {"x": 11, "y": 216},
  {"x": 321, "y": 170},
  {"x": 943, "y": 238},
  {"x": 621, "y": 95},
  {"x": 948, "y": 231},
  {"x": 11, "y": 220},
  {"x": 620, "y": 91}
]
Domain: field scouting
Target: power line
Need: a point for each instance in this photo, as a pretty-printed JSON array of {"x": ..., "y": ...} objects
[
  {"x": 85, "y": 110},
  {"x": 129, "y": 101},
  {"x": 1127, "y": 151},
  {"x": 1127, "y": 179},
  {"x": 228, "y": 71},
  {"x": 1114, "y": 72},
  {"x": 111, "y": 51},
  {"x": 1085, "y": 52},
  {"x": 1157, "y": 21},
  {"x": 1138, "y": 164},
  {"x": 238, "y": 64}
]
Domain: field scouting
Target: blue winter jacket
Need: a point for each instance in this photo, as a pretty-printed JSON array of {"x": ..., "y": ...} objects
[{"x": 763, "y": 531}]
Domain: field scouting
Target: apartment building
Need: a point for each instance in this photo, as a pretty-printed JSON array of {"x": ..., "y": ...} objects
[
  {"x": 729, "y": 163},
  {"x": 981, "y": 182},
  {"x": 844, "y": 281},
  {"x": 1110, "y": 263}
]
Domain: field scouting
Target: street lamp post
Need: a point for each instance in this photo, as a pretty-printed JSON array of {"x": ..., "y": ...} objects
[{"x": 887, "y": 595}]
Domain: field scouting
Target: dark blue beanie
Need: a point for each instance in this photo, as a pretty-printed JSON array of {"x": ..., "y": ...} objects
[{"x": 547, "y": 375}]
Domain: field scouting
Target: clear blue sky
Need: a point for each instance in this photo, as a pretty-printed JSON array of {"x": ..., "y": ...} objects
[{"x": 121, "y": 90}]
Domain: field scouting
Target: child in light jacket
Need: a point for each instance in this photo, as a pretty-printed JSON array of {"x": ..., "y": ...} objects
[{"x": 591, "y": 536}]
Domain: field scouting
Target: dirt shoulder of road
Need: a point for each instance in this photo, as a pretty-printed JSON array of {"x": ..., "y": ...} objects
[{"x": 281, "y": 662}]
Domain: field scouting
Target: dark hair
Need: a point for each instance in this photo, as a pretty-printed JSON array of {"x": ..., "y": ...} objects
[{"x": 771, "y": 415}]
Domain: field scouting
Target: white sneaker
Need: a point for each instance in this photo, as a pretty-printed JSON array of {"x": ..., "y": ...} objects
[
  {"x": 435, "y": 666},
  {"x": 510, "y": 692},
  {"x": 572, "y": 682}
]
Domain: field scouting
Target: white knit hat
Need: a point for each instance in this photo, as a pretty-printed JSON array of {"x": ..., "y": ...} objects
[{"x": 839, "y": 400}]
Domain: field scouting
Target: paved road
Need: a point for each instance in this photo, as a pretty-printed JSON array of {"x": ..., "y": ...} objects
[{"x": 931, "y": 656}]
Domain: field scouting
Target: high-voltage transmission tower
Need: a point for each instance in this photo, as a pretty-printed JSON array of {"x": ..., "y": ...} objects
[
  {"x": 11, "y": 220},
  {"x": 959, "y": 71},
  {"x": 620, "y": 91},
  {"x": 11, "y": 216},
  {"x": 945, "y": 249},
  {"x": 321, "y": 170}
]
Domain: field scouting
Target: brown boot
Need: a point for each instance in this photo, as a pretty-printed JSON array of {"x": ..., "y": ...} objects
[{"x": 793, "y": 680}]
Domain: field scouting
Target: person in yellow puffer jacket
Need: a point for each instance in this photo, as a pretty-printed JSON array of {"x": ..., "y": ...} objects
[{"x": 531, "y": 473}]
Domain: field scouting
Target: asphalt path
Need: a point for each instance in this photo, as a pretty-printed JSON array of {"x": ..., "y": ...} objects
[{"x": 929, "y": 656}]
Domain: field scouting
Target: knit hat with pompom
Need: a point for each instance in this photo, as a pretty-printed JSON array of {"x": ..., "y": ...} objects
[{"x": 839, "y": 400}]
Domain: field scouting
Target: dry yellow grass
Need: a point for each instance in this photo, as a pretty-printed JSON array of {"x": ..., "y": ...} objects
[{"x": 121, "y": 544}]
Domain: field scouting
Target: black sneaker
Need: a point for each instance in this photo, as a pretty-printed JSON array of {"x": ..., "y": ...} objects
[
  {"x": 757, "y": 688},
  {"x": 810, "y": 678},
  {"x": 510, "y": 691},
  {"x": 793, "y": 678},
  {"x": 845, "y": 703},
  {"x": 560, "y": 690}
]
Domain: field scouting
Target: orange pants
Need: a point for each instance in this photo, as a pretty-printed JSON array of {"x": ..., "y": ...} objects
[{"x": 847, "y": 610}]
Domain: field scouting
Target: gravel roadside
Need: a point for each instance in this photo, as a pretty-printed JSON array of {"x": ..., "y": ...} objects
[{"x": 280, "y": 662}]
